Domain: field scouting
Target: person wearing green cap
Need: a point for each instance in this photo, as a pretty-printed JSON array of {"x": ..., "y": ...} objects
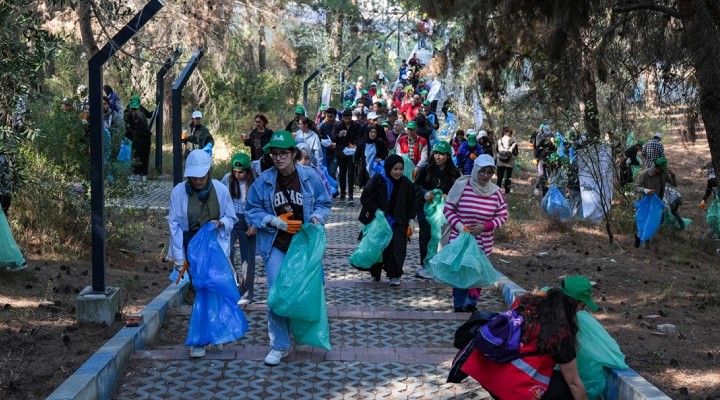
[
  {"x": 413, "y": 146},
  {"x": 278, "y": 203},
  {"x": 238, "y": 182},
  {"x": 435, "y": 178},
  {"x": 292, "y": 126},
  {"x": 468, "y": 151},
  {"x": 138, "y": 131},
  {"x": 549, "y": 331},
  {"x": 652, "y": 181}
]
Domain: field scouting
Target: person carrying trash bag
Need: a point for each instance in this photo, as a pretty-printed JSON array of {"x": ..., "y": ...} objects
[
  {"x": 393, "y": 194},
  {"x": 439, "y": 174},
  {"x": 283, "y": 198},
  {"x": 652, "y": 181},
  {"x": 193, "y": 203},
  {"x": 477, "y": 205}
]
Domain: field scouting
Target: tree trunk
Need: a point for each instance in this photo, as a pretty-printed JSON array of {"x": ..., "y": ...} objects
[
  {"x": 86, "y": 32},
  {"x": 702, "y": 38},
  {"x": 262, "y": 44},
  {"x": 336, "y": 25},
  {"x": 588, "y": 96}
]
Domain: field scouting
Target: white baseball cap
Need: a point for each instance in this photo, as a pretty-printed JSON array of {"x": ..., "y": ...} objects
[
  {"x": 482, "y": 134},
  {"x": 469, "y": 132},
  {"x": 198, "y": 164},
  {"x": 197, "y": 114},
  {"x": 484, "y": 160},
  {"x": 657, "y": 135},
  {"x": 372, "y": 115}
]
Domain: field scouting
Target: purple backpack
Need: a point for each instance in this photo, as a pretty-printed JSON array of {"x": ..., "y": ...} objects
[{"x": 499, "y": 339}]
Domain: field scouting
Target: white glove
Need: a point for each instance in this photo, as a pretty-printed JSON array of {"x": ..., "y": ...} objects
[
  {"x": 279, "y": 223},
  {"x": 179, "y": 264},
  {"x": 459, "y": 226},
  {"x": 326, "y": 142},
  {"x": 412, "y": 224},
  {"x": 428, "y": 194},
  {"x": 648, "y": 191}
]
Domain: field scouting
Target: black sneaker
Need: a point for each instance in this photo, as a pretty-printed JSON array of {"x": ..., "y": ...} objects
[
  {"x": 637, "y": 241},
  {"x": 342, "y": 198},
  {"x": 351, "y": 202},
  {"x": 470, "y": 308}
]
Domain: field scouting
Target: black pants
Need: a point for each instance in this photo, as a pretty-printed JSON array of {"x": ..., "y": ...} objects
[
  {"x": 425, "y": 231},
  {"x": 5, "y": 203},
  {"x": 504, "y": 173},
  {"x": 347, "y": 174},
  {"x": 393, "y": 255},
  {"x": 141, "y": 150}
]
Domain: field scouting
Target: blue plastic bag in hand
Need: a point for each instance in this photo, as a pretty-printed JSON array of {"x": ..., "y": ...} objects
[
  {"x": 298, "y": 292},
  {"x": 596, "y": 349},
  {"x": 555, "y": 205},
  {"x": 648, "y": 216},
  {"x": 462, "y": 264},
  {"x": 375, "y": 237},
  {"x": 11, "y": 258},
  {"x": 125, "y": 153},
  {"x": 216, "y": 317},
  {"x": 436, "y": 220},
  {"x": 333, "y": 183}
]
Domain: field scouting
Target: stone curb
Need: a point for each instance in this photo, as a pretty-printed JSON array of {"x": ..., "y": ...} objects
[
  {"x": 620, "y": 384},
  {"x": 96, "y": 378}
]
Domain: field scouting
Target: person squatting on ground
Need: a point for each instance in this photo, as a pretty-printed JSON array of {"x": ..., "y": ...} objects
[
  {"x": 394, "y": 195},
  {"x": 711, "y": 188},
  {"x": 549, "y": 329},
  {"x": 279, "y": 202},
  {"x": 507, "y": 150},
  {"x": 476, "y": 205},
  {"x": 653, "y": 180},
  {"x": 193, "y": 203},
  {"x": 238, "y": 181},
  {"x": 439, "y": 173}
]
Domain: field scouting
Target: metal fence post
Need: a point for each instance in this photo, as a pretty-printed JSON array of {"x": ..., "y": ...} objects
[
  {"x": 307, "y": 81},
  {"x": 177, "y": 114},
  {"x": 159, "y": 101}
]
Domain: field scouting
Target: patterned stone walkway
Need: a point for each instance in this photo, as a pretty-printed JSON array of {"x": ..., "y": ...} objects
[{"x": 387, "y": 342}]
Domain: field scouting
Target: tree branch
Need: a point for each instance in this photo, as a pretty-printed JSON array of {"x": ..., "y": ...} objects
[{"x": 642, "y": 5}]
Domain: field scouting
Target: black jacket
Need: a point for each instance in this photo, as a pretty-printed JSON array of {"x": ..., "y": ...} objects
[
  {"x": 351, "y": 137},
  {"x": 442, "y": 179},
  {"x": 375, "y": 197},
  {"x": 381, "y": 152}
]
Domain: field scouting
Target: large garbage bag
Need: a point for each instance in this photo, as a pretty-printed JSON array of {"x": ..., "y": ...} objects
[
  {"x": 461, "y": 264},
  {"x": 669, "y": 220},
  {"x": 375, "y": 237},
  {"x": 409, "y": 166},
  {"x": 11, "y": 258},
  {"x": 648, "y": 216},
  {"x": 216, "y": 317},
  {"x": 596, "y": 349},
  {"x": 713, "y": 216},
  {"x": 333, "y": 183},
  {"x": 298, "y": 292},
  {"x": 555, "y": 205},
  {"x": 125, "y": 153},
  {"x": 436, "y": 219}
]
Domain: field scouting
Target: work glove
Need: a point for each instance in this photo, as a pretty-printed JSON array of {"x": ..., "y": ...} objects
[
  {"x": 459, "y": 227},
  {"x": 179, "y": 264},
  {"x": 702, "y": 204},
  {"x": 648, "y": 191},
  {"x": 284, "y": 223},
  {"x": 429, "y": 196},
  {"x": 410, "y": 228}
]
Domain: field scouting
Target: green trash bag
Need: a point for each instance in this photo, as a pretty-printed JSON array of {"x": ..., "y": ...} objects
[
  {"x": 596, "y": 349},
  {"x": 11, "y": 258},
  {"x": 375, "y": 237},
  {"x": 436, "y": 220},
  {"x": 409, "y": 166},
  {"x": 713, "y": 216},
  {"x": 669, "y": 220},
  {"x": 298, "y": 292},
  {"x": 461, "y": 264}
]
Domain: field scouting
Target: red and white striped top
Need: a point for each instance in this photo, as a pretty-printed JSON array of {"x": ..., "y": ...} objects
[{"x": 474, "y": 209}]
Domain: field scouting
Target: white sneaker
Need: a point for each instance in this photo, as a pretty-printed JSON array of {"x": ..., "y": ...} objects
[
  {"x": 394, "y": 281},
  {"x": 274, "y": 357},
  {"x": 423, "y": 274},
  {"x": 197, "y": 352}
]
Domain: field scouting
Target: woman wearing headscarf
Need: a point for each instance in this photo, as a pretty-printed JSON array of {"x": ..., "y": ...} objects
[
  {"x": 476, "y": 205},
  {"x": 371, "y": 149},
  {"x": 393, "y": 194}
]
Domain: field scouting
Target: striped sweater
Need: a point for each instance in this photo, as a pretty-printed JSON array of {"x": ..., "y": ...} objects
[{"x": 473, "y": 209}]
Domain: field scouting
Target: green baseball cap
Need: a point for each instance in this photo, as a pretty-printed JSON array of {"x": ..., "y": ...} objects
[
  {"x": 364, "y": 91},
  {"x": 299, "y": 110},
  {"x": 240, "y": 161},
  {"x": 135, "y": 102},
  {"x": 280, "y": 140},
  {"x": 411, "y": 125},
  {"x": 426, "y": 102},
  {"x": 385, "y": 124},
  {"x": 579, "y": 288},
  {"x": 383, "y": 103},
  {"x": 640, "y": 143},
  {"x": 662, "y": 163},
  {"x": 424, "y": 92},
  {"x": 472, "y": 140},
  {"x": 442, "y": 147},
  {"x": 347, "y": 104}
]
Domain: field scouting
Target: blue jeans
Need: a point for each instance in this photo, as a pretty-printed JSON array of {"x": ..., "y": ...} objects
[
  {"x": 246, "y": 280},
  {"x": 278, "y": 327},
  {"x": 331, "y": 163},
  {"x": 462, "y": 299}
]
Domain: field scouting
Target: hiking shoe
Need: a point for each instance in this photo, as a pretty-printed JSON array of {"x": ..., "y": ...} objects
[
  {"x": 197, "y": 352},
  {"x": 394, "y": 281},
  {"x": 274, "y": 356},
  {"x": 423, "y": 273},
  {"x": 342, "y": 198},
  {"x": 351, "y": 202},
  {"x": 637, "y": 241},
  {"x": 470, "y": 308}
]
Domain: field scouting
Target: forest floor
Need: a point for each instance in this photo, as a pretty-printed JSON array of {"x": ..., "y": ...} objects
[{"x": 674, "y": 277}]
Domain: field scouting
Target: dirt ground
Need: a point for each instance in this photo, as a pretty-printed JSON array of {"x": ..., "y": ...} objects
[{"x": 674, "y": 277}]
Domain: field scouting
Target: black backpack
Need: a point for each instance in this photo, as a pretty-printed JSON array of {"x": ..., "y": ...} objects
[{"x": 468, "y": 330}]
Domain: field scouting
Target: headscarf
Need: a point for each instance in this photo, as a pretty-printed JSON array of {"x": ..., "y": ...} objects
[{"x": 489, "y": 189}]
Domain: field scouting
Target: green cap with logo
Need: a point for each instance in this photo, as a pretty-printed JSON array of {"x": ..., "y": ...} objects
[
  {"x": 135, "y": 102},
  {"x": 442, "y": 147},
  {"x": 280, "y": 140},
  {"x": 411, "y": 125},
  {"x": 299, "y": 110},
  {"x": 472, "y": 140},
  {"x": 579, "y": 288},
  {"x": 240, "y": 161}
]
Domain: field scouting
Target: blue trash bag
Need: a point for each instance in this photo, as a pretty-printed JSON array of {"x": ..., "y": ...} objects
[
  {"x": 596, "y": 349},
  {"x": 648, "y": 216},
  {"x": 125, "y": 153},
  {"x": 298, "y": 292},
  {"x": 461, "y": 264},
  {"x": 409, "y": 166},
  {"x": 208, "y": 149},
  {"x": 11, "y": 258},
  {"x": 555, "y": 205},
  {"x": 333, "y": 183},
  {"x": 216, "y": 317},
  {"x": 378, "y": 167},
  {"x": 436, "y": 219},
  {"x": 375, "y": 237},
  {"x": 174, "y": 275}
]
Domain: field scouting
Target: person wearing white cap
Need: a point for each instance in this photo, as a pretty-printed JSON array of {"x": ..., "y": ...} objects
[
  {"x": 199, "y": 136},
  {"x": 193, "y": 203},
  {"x": 476, "y": 205},
  {"x": 652, "y": 150}
]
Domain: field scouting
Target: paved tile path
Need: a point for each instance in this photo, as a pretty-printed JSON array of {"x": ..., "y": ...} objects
[{"x": 387, "y": 342}]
